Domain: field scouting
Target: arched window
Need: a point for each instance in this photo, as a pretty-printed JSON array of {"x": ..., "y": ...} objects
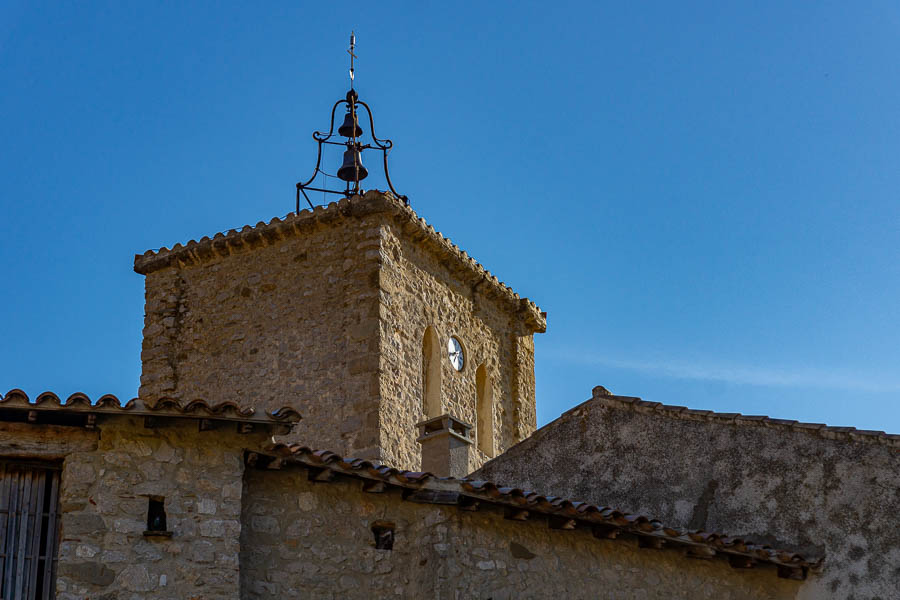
[
  {"x": 484, "y": 411},
  {"x": 431, "y": 374}
]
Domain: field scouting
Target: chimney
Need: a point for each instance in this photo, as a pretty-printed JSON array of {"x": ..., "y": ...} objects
[{"x": 446, "y": 445}]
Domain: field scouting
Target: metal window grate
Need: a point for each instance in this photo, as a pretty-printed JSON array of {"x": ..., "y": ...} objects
[{"x": 29, "y": 495}]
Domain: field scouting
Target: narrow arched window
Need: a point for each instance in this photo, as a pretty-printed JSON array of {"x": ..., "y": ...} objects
[
  {"x": 484, "y": 411},
  {"x": 431, "y": 374}
]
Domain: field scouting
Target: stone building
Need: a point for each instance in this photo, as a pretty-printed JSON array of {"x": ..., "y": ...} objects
[{"x": 356, "y": 330}]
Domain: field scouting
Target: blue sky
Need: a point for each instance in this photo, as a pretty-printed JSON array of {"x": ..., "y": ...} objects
[{"x": 703, "y": 196}]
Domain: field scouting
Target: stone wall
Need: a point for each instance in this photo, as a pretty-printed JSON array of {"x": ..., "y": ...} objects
[
  {"x": 315, "y": 540},
  {"x": 523, "y": 405},
  {"x": 290, "y": 321},
  {"x": 418, "y": 291},
  {"x": 813, "y": 490},
  {"x": 107, "y": 478}
]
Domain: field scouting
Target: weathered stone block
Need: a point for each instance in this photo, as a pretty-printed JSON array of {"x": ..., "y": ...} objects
[
  {"x": 93, "y": 573},
  {"x": 77, "y": 524},
  {"x": 136, "y": 578}
]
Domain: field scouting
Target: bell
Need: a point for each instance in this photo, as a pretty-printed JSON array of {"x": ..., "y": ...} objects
[
  {"x": 352, "y": 162},
  {"x": 347, "y": 127}
]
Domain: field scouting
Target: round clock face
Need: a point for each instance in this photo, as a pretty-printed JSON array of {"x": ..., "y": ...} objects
[{"x": 455, "y": 353}]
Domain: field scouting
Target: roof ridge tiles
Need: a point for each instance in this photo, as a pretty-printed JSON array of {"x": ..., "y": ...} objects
[
  {"x": 371, "y": 202},
  {"x": 110, "y": 404},
  {"x": 602, "y": 396}
]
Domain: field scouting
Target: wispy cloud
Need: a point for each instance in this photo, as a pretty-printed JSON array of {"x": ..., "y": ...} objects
[{"x": 756, "y": 375}]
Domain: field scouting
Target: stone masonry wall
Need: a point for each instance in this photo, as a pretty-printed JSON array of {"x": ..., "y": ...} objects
[
  {"x": 107, "y": 477},
  {"x": 808, "y": 490},
  {"x": 314, "y": 540},
  {"x": 524, "y": 402},
  {"x": 285, "y": 322},
  {"x": 418, "y": 291}
]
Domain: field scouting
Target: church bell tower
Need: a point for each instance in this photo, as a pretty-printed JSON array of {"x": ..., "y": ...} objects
[{"x": 391, "y": 342}]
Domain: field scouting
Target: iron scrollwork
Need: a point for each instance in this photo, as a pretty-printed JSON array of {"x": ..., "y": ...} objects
[{"x": 352, "y": 171}]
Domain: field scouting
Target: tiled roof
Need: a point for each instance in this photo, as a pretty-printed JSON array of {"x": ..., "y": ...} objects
[
  {"x": 603, "y": 521},
  {"x": 166, "y": 407},
  {"x": 222, "y": 244},
  {"x": 602, "y": 396}
]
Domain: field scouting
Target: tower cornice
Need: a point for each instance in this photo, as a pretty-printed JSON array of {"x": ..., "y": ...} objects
[{"x": 297, "y": 224}]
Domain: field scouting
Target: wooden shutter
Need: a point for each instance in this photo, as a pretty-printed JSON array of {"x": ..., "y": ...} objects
[{"x": 29, "y": 494}]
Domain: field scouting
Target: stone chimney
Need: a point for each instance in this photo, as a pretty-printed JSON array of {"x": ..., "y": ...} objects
[{"x": 446, "y": 446}]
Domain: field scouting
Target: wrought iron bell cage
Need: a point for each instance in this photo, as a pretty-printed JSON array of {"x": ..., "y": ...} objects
[{"x": 352, "y": 170}]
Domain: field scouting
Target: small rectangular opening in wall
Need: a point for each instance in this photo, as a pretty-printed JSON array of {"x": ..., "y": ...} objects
[
  {"x": 384, "y": 535},
  {"x": 156, "y": 516}
]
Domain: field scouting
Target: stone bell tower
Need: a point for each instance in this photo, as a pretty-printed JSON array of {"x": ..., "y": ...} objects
[
  {"x": 346, "y": 313},
  {"x": 358, "y": 314}
]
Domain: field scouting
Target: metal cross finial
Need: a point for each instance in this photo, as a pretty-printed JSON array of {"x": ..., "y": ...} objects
[{"x": 352, "y": 56}]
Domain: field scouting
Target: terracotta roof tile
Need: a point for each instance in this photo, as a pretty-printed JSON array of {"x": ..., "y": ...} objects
[
  {"x": 582, "y": 512},
  {"x": 166, "y": 407}
]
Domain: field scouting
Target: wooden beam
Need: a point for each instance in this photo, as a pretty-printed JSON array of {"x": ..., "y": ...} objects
[
  {"x": 48, "y": 441},
  {"x": 32, "y": 416},
  {"x": 427, "y": 496},
  {"x": 245, "y": 427},
  {"x": 204, "y": 425},
  {"x": 90, "y": 422}
]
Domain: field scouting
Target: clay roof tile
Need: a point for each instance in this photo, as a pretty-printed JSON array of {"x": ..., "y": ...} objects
[{"x": 109, "y": 404}]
